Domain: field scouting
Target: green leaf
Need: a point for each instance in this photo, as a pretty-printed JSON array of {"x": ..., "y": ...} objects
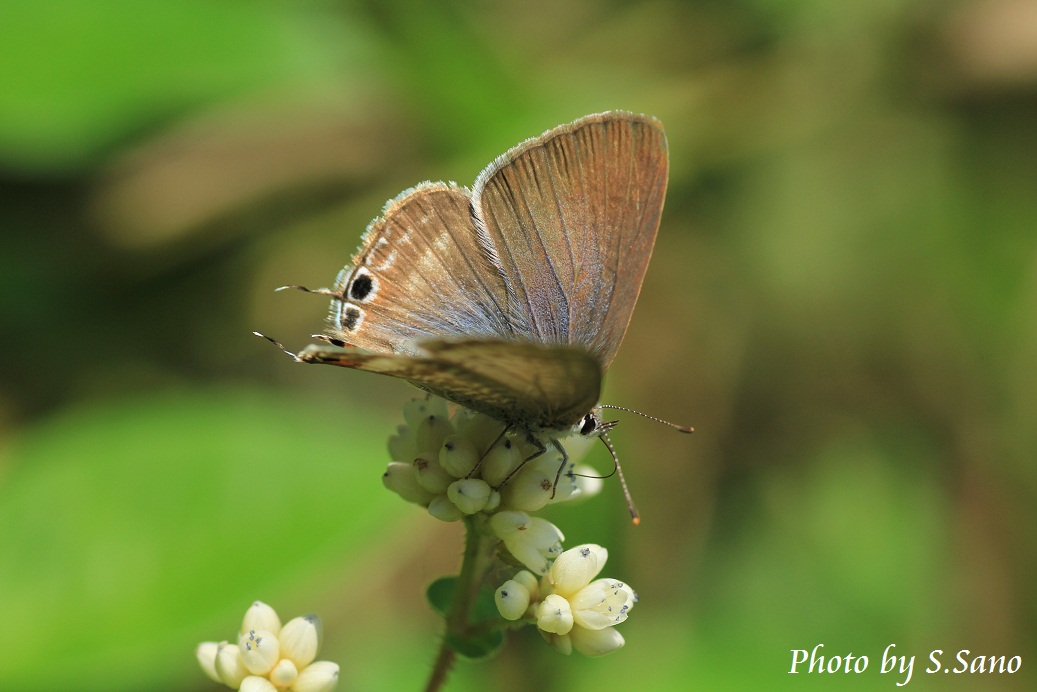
[
  {"x": 484, "y": 610},
  {"x": 132, "y": 531},
  {"x": 440, "y": 594},
  {"x": 476, "y": 645},
  {"x": 484, "y": 638},
  {"x": 79, "y": 77}
]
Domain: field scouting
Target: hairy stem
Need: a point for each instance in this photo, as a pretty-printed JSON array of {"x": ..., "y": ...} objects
[{"x": 457, "y": 621}]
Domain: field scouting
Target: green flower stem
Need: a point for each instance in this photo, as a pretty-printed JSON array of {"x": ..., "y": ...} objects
[{"x": 474, "y": 566}]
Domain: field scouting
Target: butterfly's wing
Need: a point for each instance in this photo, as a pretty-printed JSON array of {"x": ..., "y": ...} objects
[
  {"x": 421, "y": 272},
  {"x": 570, "y": 220},
  {"x": 532, "y": 385}
]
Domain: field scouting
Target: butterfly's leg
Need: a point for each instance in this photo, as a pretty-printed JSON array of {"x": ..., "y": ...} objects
[
  {"x": 561, "y": 466},
  {"x": 487, "y": 452},
  {"x": 540, "y": 449}
]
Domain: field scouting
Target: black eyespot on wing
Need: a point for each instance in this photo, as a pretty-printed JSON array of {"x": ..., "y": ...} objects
[
  {"x": 361, "y": 287},
  {"x": 350, "y": 318}
]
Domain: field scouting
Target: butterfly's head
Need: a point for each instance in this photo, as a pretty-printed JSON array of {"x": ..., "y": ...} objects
[{"x": 593, "y": 425}]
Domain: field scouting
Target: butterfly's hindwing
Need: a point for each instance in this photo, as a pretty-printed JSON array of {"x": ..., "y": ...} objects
[
  {"x": 519, "y": 383},
  {"x": 420, "y": 273}
]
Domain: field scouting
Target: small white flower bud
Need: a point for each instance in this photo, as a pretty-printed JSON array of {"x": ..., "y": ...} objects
[
  {"x": 443, "y": 509},
  {"x": 260, "y": 651},
  {"x": 260, "y": 616},
  {"x": 549, "y": 463},
  {"x": 438, "y": 407},
  {"x": 417, "y": 409},
  {"x": 431, "y": 432},
  {"x": 596, "y": 642},
  {"x": 588, "y": 482},
  {"x": 567, "y": 488},
  {"x": 500, "y": 461},
  {"x": 431, "y": 475},
  {"x": 512, "y": 600},
  {"x": 590, "y": 608},
  {"x": 493, "y": 502},
  {"x": 285, "y": 673},
  {"x": 561, "y": 643},
  {"x": 254, "y": 683},
  {"x": 319, "y": 676},
  {"x": 402, "y": 479},
  {"x": 458, "y": 456},
  {"x": 230, "y": 669},
  {"x": 529, "y": 491},
  {"x": 300, "y": 640},
  {"x": 504, "y": 524},
  {"x": 530, "y": 540},
  {"x": 403, "y": 446},
  {"x": 602, "y": 603},
  {"x": 469, "y": 495},
  {"x": 528, "y": 580},
  {"x": 554, "y": 615},
  {"x": 574, "y": 569},
  {"x": 477, "y": 427},
  {"x": 206, "y": 655}
]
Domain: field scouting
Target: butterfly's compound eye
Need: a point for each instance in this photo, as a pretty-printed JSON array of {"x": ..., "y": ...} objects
[{"x": 589, "y": 425}]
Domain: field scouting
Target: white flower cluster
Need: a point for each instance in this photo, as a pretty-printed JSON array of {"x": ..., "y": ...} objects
[
  {"x": 571, "y": 608},
  {"x": 441, "y": 463},
  {"x": 268, "y": 657}
]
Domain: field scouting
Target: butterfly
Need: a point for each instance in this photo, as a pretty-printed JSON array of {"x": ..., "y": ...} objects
[{"x": 510, "y": 298}]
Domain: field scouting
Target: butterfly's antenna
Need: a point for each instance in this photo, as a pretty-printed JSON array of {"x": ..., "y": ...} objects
[
  {"x": 635, "y": 516},
  {"x": 317, "y": 291},
  {"x": 682, "y": 428},
  {"x": 277, "y": 343}
]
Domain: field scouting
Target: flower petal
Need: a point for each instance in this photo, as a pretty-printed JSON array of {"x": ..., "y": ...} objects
[
  {"x": 260, "y": 651},
  {"x": 206, "y": 655},
  {"x": 284, "y": 673},
  {"x": 229, "y": 666},
  {"x": 300, "y": 640},
  {"x": 555, "y": 615},
  {"x": 561, "y": 643},
  {"x": 574, "y": 569},
  {"x": 596, "y": 642},
  {"x": 260, "y": 616},
  {"x": 254, "y": 683},
  {"x": 319, "y": 676}
]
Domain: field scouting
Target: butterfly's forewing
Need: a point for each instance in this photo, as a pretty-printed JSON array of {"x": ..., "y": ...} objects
[
  {"x": 512, "y": 381},
  {"x": 571, "y": 218},
  {"x": 420, "y": 273}
]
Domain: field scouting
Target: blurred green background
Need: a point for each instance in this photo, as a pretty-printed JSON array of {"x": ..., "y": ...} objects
[{"x": 842, "y": 301}]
